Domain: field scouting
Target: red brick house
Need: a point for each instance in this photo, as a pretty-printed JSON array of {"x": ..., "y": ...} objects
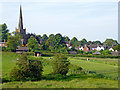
[{"x": 86, "y": 48}]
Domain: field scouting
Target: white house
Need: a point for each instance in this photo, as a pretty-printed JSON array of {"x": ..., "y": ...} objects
[
  {"x": 81, "y": 48},
  {"x": 100, "y": 48},
  {"x": 70, "y": 47},
  {"x": 111, "y": 49}
]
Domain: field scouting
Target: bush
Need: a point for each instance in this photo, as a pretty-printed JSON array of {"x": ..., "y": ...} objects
[
  {"x": 27, "y": 69},
  {"x": 60, "y": 64}
]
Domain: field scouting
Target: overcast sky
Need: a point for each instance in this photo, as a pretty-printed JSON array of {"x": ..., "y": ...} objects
[{"x": 93, "y": 20}]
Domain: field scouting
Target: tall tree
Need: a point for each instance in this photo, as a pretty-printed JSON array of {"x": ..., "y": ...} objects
[
  {"x": 13, "y": 41},
  {"x": 44, "y": 37},
  {"x": 67, "y": 39},
  {"x": 83, "y": 42},
  {"x": 3, "y": 32},
  {"x": 74, "y": 41},
  {"x": 32, "y": 44},
  {"x": 57, "y": 41},
  {"x": 110, "y": 42}
]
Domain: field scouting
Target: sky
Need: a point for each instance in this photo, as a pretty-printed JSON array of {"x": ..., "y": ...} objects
[{"x": 93, "y": 19}]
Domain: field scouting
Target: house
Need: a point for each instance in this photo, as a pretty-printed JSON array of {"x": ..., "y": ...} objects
[
  {"x": 3, "y": 44},
  {"x": 86, "y": 48},
  {"x": 68, "y": 44},
  {"x": 70, "y": 47},
  {"x": 76, "y": 48},
  {"x": 100, "y": 48},
  {"x": 20, "y": 50},
  {"x": 111, "y": 48},
  {"x": 72, "y": 52},
  {"x": 116, "y": 53},
  {"x": 81, "y": 48},
  {"x": 37, "y": 54},
  {"x": 97, "y": 53},
  {"x": 93, "y": 47}
]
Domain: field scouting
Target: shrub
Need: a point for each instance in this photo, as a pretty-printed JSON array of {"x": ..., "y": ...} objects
[
  {"x": 27, "y": 69},
  {"x": 60, "y": 64}
]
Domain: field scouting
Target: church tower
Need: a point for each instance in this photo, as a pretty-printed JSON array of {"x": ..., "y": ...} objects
[{"x": 20, "y": 27}]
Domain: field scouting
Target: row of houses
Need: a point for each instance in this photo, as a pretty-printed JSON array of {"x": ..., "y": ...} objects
[{"x": 91, "y": 47}]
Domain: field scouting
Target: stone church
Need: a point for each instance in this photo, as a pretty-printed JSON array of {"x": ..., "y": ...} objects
[
  {"x": 20, "y": 28},
  {"x": 22, "y": 31}
]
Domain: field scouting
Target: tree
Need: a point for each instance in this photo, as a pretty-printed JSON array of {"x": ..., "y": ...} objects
[
  {"x": 106, "y": 52},
  {"x": 32, "y": 44},
  {"x": 13, "y": 42},
  {"x": 80, "y": 51},
  {"x": 51, "y": 36},
  {"x": 57, "y": 41},
  {"x": 67, "y": 39},
  {"x": 74, "y": 41},
  {"x": 94, "y": 42},
  {"x": 83, "y": 42},
  {"x": 110, "y": 42},
  {"x": 60, "y": 64},
  {"x": 39, "y": 36},
  {"x": 49, "y": 42},
  {"x": 117, "y": 47},
  {"x": 27, "y": 69},
  {"x": 3, "y": 32},
  {"x": 44, "y": 37}
]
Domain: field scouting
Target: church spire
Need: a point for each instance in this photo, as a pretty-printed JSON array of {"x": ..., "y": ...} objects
[{"x": 20, "y": 25}]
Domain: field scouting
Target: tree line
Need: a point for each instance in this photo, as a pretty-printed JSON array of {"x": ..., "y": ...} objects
[{"x": 53, "y": 43}]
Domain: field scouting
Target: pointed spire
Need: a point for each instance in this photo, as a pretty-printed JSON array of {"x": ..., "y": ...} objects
[{"x": 20, "y": 25}]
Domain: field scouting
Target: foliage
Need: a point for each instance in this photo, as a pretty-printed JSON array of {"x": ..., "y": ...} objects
[
  {"x": 94, "y": 42},
  {"x": 110, "y": 42},
  {"x": 80, "y": 51},
  {"x": 3, "y": 32},
  {"x": 60, "y": 64},
  {"x": 44, "y": 37},
  {"x": 3, "y": 48},
  {"x": 67, "y": 39},
  {"x": 32, "y": 44},
  {"x": 74, "y": 41},
  {"x": 64, "y": 50},
  {"x": 83, "y": 42},
  {"x": 106, "y": 52},
  {"x": 13, "y": 42},
  {"x": 27, "y": 69},
  {"x": 117, "y": 47},
  {"x": 39, "y": 36}
]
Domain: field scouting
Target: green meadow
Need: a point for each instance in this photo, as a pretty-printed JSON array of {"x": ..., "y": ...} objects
[{"x": 97, "y": 73}]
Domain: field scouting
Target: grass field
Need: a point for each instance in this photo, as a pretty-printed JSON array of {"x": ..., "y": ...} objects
[{"x": 104, "y": 66}]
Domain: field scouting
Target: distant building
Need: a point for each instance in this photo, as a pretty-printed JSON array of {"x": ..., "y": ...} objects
[
  {"x": 100, "y": 47},
  {"x": 20, "y": 28},
  {"x": 110, "y": 48},
  {"x": 116, "y": 53},
  {"x": 81, "y": 48},
  {"x": 93, "y": 47},
  {"x": 68, "y": 44},
  {"x": 86, "y": 48},
  {"x": 72, "y": 52},
  {"x": 97, "y": 53},
  {"x": 3, "y": 44},
  {"x": 20, "y": 50},
  {"x": 38, "y": 54}
]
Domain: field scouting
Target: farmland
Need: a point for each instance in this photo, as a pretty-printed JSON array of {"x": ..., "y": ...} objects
[{"x": 99, "y": 73}]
